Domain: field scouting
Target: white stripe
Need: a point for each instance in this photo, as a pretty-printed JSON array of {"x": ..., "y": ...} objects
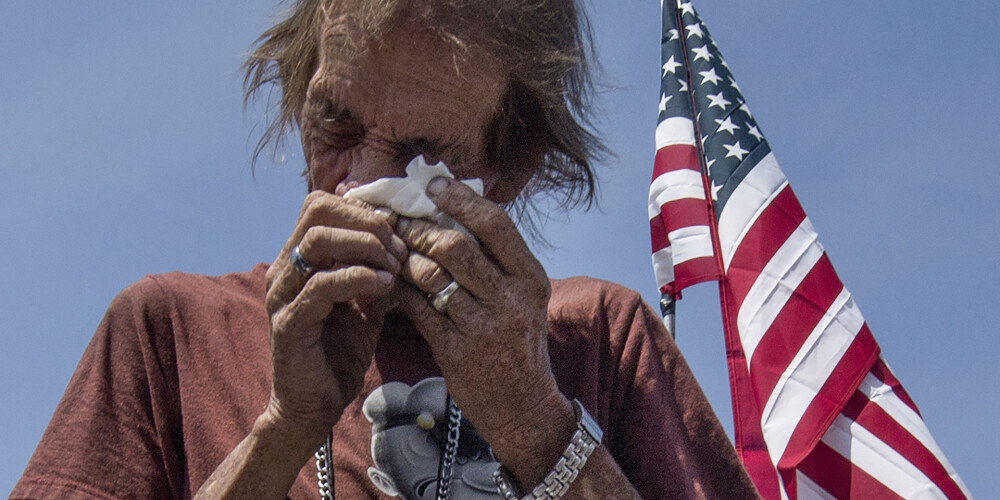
[
  {"x": 883, "y": 395},
  {"x": 748, "y": 200},
  {"x": 690, "y": 243},
  {"x": 663, "y": 266},
  {"x": 776, "y": 283},
  {"x": 808, "y": 371},
  {"x": 673, "y": 131},
  {"x": 879, "y": 460},
  {"x": 808, "y": 490},
  {"x": 672, "y": 186}
]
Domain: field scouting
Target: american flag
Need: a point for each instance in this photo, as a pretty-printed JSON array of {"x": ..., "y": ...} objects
[{"x": 818, "y": 413}]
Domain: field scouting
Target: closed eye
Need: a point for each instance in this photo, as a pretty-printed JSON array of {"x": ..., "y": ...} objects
[
  {"x": 339, "y": 133},
  {"x": 337, "y": 127},
  {"x": 431, "y": 149}
]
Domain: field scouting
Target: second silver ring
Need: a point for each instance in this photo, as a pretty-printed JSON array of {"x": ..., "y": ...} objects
[{"x": 439, "y": 301}]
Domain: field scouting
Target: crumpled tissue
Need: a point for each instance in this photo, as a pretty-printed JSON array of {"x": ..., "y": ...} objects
[{"x": 407, "y": 196}]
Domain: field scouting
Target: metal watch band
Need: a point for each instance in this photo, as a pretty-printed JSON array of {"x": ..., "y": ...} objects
[{"x": 586, "y": 438}]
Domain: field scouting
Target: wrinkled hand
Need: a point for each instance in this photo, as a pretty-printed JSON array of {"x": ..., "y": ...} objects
[
  {"x": 324, "y": 327},
  {"x": 491, "y": 344}
]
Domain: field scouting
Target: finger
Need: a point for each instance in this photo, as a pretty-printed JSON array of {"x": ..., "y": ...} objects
[
  {"x": 325, "y": 289},
  {"x": 325, "y": 209},
  {"x": 459, "y": 255},
  {"x": 324, "y": 246},
  {"x": 435, "y": 327},
  {"x": 425, "y": 274},
  {"x": 488, "y": 222}
]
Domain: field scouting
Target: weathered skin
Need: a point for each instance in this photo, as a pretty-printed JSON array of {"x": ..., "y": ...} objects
[{"x": 364, "y": 120}]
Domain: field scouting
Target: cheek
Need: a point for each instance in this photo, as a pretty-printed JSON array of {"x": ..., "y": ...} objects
[{"x": 331, "y": 171}]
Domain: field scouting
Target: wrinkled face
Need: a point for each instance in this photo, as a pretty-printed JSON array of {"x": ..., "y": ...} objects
[{"x": 366, "y": 118}]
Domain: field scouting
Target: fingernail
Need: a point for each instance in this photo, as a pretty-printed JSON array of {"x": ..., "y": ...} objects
[
  {"x": 384, "y": 276},
  {"x": 402, "y": 225},
  {"x": 437, "y": 185},
  {"x": 399, "y": 246},
  {"x": 383, "y": 211}
]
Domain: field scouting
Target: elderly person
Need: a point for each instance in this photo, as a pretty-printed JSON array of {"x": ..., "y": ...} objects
[{"x": 225, "y": 386}]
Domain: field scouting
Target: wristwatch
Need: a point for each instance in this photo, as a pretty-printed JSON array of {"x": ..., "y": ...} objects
[{"x": 585, "y": 440}]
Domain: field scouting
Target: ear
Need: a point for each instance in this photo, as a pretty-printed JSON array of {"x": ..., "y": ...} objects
[
  {"x": 383, "y": 482},
  {"x": 517, "y": 139},
  {"x": 514, "y": 178}
]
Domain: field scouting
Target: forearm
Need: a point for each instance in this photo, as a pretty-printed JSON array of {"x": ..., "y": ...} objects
[{"x": 265, "y": 464}]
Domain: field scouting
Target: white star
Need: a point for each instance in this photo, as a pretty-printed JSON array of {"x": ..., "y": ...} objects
[
  {"x": 674, "y": 35},
  {"x": 718, "y": 100},
  {"x": 735, "y": 150},
  {"x": 702, "y": 53},
  {"x": 710, "y": 76},
  {"x": 755, "y": 132},
  {"x": 694, "y": 30},
  {"x": 664, "y": 98},
  {"x": 708, "y": 166},
  {"x": 684, "y": 85},
  {"x": 746, "y": 110},
  {"x": 686, "y": 8},
  {"x": 727, "y": 125},
  {"x": 723, "y": 62},
  {"x": 732, "y": 83},
  {"x": 715, "y": 191},
  {"x": 670, "y": 67}
]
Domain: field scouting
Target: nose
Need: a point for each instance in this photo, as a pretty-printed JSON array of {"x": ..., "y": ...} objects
[{"x": 361, "y": 165}]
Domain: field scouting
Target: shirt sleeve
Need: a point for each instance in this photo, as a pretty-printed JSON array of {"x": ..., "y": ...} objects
[
  {"x": 668, "y": 440},
  {"x": 111, "y": 435}
]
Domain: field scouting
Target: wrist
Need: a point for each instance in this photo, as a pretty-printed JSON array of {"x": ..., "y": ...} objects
[
  {"x": 585, "y": 440},
  {"x": 299, "y": 437},
  {"x": 530, "y": 445}
]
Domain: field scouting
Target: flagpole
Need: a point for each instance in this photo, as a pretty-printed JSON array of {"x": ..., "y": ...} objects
[{"x": 668, "y": 306}]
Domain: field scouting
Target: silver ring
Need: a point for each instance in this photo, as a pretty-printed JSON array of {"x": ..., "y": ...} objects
[
  {"x": 440, "y": 300},
  {"x": 300, "y": 263}
]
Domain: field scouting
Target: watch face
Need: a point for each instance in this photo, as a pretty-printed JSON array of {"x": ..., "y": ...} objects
[{"x": 587, "y": 423}]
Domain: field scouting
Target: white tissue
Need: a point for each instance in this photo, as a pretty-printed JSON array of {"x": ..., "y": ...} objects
[{"x": 407, "y": 196}]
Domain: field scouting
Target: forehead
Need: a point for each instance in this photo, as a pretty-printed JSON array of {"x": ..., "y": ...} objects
[{"x": 407, "y": 71}]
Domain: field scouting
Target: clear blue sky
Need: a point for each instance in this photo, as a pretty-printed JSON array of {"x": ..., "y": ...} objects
[{"x": 124, "y": 150}]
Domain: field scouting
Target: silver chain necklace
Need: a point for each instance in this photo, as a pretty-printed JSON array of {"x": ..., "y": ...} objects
[
  {"x": 446, "y": 468},
  {"x": 324, "y": 468}
]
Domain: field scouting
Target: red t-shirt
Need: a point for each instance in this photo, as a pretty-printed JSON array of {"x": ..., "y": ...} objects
[{"x": 179, "y": 369}]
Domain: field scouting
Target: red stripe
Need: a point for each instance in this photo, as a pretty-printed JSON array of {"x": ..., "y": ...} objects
[
  {"x": 776, "y": 223},
  {"x": 694, "y": 271},
  {"x": 792, "y": 326},
  {"x": 658, "y": 234},
  {"x": 675, "y": 157},
  {"x": 749, "y": 439},
  {"x": 831, "y": 398},
  {"x": 883, "y": 373},
  {"x": 840, "y": 478},
  {"x": 873, "y": 418},
  {"x": 685, "y": 212}
]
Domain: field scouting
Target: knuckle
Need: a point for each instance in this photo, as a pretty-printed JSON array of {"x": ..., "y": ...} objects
[
  {"x": 273, "y": 302},
  {"x": 369, "y": 239},
  {"x": 452, "y": 242},
  {"x": 314, "y": 196},
  {"x": 425, "y": 270},
  {"x": 271, "y": 276},
  {"x": 309, "y": 240}
]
